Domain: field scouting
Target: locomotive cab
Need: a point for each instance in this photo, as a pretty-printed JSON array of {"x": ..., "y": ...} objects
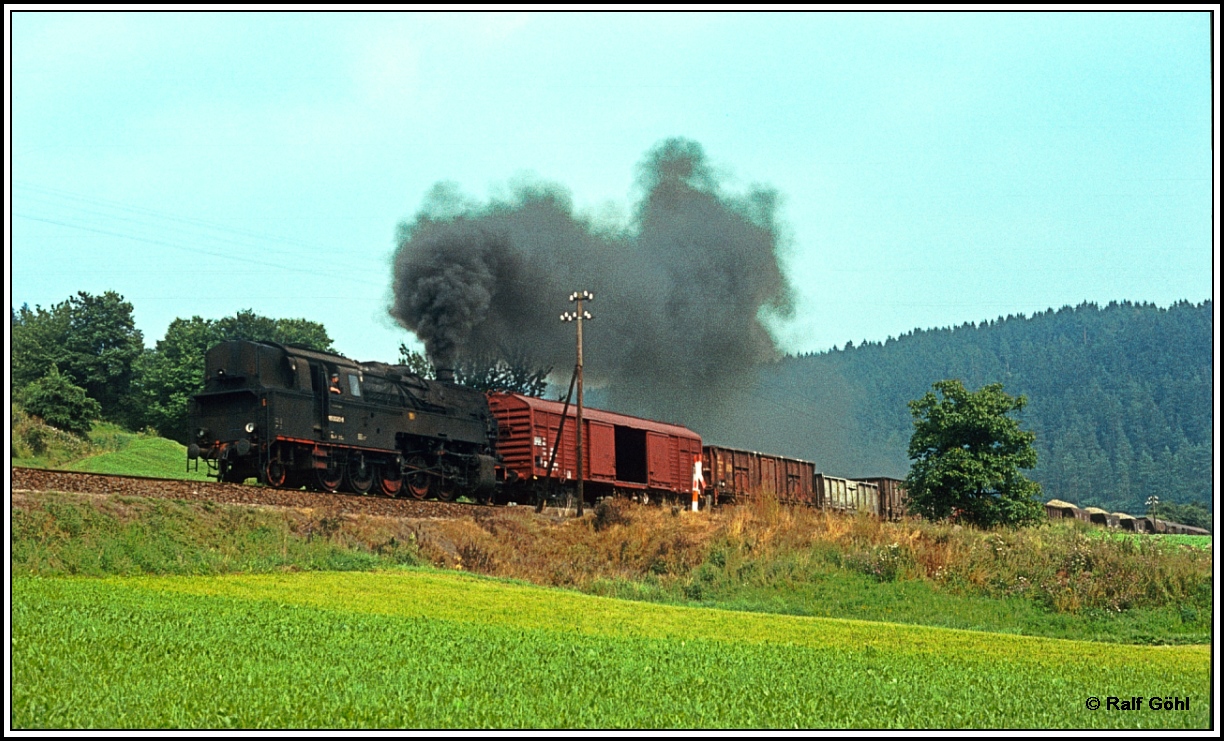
[{"x": 229, "y": 419}]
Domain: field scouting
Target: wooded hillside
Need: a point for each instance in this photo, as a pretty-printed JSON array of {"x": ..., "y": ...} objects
[{"x": 1120, "y": 398}]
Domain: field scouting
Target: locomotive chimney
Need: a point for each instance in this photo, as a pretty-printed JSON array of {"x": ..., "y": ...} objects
[{"x": 446, "y": 375}]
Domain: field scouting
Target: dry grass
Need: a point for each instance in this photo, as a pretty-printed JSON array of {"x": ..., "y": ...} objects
[
  {"x": 1058, "y": 565},
  {"x": 623, "y": 549}
]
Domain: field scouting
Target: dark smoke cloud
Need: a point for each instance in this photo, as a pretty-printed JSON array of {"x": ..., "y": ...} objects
[{"x": 679, "y": 295}]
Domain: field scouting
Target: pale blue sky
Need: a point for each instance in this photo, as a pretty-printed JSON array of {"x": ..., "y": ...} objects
[{"x": 934, "y": 168}]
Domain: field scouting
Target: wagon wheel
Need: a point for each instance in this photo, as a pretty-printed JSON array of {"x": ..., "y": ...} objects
[
  {"x": 329, "y": 479},
  {"x": 275, "y": 474},
  {"x": 361, "y": 478},
  {"x": 390, "y": 480},
  {"x": 420, "y": 483}
]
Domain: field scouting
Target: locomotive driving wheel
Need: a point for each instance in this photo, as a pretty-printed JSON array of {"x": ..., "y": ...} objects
[
  {"x": 274, "y": 474},
  {"x": 390, "y": 480},
  {"x": 328, "y": 479},
  {"x": 420, "y": 483},
  {"x": 361, "y": 478}
]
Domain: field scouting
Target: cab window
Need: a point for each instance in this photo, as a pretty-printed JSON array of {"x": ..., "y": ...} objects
[{"x": 354, "y": 385}]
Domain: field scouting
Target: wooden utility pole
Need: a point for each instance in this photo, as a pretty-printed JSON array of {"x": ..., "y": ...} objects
[{"x": 577, "y": 316}]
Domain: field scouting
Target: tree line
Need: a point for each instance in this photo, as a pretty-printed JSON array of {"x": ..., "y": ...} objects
[
  {"x": 1120, "y": 398},
  {"x": 84, "y": 359}
]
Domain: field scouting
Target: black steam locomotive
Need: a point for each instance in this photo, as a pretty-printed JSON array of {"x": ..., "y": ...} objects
[{"x": 292, "y": 417}]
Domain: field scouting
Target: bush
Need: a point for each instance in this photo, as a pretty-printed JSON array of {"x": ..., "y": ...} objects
[
  {"x": 609, "y": 512},
  {"x": 60, "y": 403},
  {"x": 35, "y": 443}
]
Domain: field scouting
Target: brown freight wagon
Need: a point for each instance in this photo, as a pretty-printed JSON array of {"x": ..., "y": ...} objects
[
  {"x": 1057, "y": 509},
  {"x": 1151, "y": 525},
  {"x": 894, "y": 500},
  {"x": 621, "y": 454},
  {"x": 733, "y": 475},
  {"x": 846, "y": 495},
  {"x": 1101, "y": 517}
]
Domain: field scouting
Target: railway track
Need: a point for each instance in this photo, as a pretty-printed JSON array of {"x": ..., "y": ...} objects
[{"x": 41, "y": 479}]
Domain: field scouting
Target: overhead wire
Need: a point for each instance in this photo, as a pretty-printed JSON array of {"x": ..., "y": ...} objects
[
  {"x": 185, "y": 248},
  {"x": 322, "y": 250},
  {"x": 93, "y": 207}
]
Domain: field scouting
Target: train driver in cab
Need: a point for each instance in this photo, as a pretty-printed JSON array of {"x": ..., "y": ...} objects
[{"x": 334, "y": 387}]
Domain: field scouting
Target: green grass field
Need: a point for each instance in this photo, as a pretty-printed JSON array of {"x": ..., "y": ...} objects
[
  {"x": 408, "y": 649},
  {"x": 843, "y": 594},
  {"x": 1196, "y": 541}
]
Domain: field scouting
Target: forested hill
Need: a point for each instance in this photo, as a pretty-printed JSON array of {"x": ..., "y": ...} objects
[{"x": 1120, "y": 398}]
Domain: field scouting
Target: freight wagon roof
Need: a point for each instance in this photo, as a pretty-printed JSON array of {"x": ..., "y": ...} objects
[
  {"x": 592, "y": 415},
  {"x": 757, "y": 452}
]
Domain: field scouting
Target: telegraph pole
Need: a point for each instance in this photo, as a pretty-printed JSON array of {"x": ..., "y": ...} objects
[{"x": 577, "y": 316}]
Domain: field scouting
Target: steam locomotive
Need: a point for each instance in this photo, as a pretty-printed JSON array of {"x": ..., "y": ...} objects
[{"x": 292, "y": 417}]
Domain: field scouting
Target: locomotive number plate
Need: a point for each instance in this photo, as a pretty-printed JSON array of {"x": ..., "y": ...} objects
[{"x": 335, "y": 418}]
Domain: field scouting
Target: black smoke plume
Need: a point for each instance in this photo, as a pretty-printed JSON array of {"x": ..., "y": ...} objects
[{"x": 680, "y": 293}]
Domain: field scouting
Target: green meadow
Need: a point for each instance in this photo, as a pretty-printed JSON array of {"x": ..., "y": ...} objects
[
  {"x": 417, "y": 649},
  {"x": 132, "y": 612}
]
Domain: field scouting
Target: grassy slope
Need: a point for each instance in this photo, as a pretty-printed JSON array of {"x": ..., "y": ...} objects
[
  {"x": 108, "y": 449},
  {"x": 142, "y": 456},
  {"x": 833, "y": 593},
  {"x": 408, "y": 649},
  {"x": 72, "y": 534}
]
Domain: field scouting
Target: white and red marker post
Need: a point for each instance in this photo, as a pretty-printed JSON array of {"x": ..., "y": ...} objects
[{"x": 698, "y": 480}]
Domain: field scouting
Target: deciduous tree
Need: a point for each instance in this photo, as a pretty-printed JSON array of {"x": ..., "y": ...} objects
[
  {"x": 91, "y": 340},
  {"x": 513, "y": 372},
  {"x": 967, "y": 455}
]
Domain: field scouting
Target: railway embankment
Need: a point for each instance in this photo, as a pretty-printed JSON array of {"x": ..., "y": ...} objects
[{"x": 1059, "y": 580}]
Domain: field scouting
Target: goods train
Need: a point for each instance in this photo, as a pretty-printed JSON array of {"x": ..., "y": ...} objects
[{"x": 291, "y": 416}]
